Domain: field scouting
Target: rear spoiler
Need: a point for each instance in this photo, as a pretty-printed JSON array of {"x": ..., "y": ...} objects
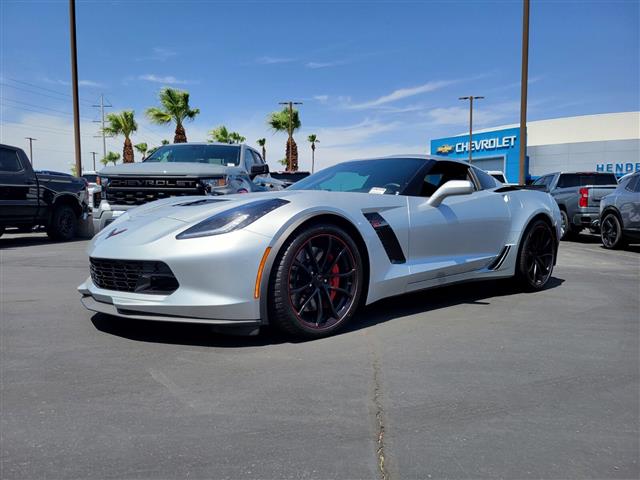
[{"x": 511, "y": 188}]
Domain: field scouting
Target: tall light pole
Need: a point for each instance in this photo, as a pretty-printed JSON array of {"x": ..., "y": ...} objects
[
  {"x": 102, "y": 106},
  {"x": 524, "y": 80},
  {"x": 74, "y": 85},
  {"x": 94, "y": 160},
  {"x": 290, "y": 141},
  {"x": 471, "y": 98},
  {"x": 31, "y": 140}
]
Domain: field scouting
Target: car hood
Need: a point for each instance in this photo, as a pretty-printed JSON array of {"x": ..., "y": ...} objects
[{"x": 169, "y": 168}]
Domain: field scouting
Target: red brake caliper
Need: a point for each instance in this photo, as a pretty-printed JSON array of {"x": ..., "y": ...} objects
[{"x": 334, "y": 281}]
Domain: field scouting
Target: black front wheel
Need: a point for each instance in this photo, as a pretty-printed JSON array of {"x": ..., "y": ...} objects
[
  {"x": 316, "y": 282},
  {"x": 64, "y": 223},
  {"x": 611, "y": 232},
  {"x": 537, "y": 256}
]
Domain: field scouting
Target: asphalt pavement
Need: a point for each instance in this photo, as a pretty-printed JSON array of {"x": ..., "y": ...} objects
[{"x": 470, "y": 381}]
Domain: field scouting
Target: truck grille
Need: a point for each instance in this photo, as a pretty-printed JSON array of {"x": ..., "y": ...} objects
[
  {"x": 138, "y": 191},
  {"x": 133, "y": 276}
]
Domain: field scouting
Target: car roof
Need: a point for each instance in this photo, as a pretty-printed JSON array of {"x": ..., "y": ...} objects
[
  {"x": 179, "y": 145},
  {"x": 416, "y": 156}
]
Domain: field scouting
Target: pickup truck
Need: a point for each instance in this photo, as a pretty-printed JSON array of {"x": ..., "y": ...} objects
[
  {"x": 179, "y": 169},
  {"x": 578, "y": 196},
  {"x": 29, "y": 200}
]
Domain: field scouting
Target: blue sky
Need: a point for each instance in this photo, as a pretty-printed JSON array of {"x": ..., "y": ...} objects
[{"x": 375, "y": 77}]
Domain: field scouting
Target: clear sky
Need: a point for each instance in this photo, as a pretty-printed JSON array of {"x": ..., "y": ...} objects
[{"x": 376, "y": 77}]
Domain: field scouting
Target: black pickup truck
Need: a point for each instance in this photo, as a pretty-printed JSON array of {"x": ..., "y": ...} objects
[{"x": 29, "y": 200}]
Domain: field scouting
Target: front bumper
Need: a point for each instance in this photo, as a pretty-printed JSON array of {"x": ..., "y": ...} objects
[{"x": 216, "y": 277}]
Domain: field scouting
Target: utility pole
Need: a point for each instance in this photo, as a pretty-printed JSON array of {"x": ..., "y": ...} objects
[
  {"x": 102, "y": 106},
  {"x": 471, "y": 98},
  {"x": 524, "y": 80},
  {"x": 94, "y": 160},
  {"x": 74, "y": 85},
  {"x": 290, "y": 141},
  {"x": 31, "y": 140}
]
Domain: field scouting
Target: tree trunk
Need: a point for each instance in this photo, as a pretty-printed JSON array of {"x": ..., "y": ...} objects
[
  {"x": 180, "y": 135},
  {"x": 292, "y": 155},
  {"x": 127, "y": 151}
]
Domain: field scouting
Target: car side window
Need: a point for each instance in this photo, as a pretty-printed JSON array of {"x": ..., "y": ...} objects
[
  {"x": 442, "y": 172},
  {"x": 487, "y": 182},
  {"x": 633, "y": 184},
  {"x": 9, "y": 161},
  {"x": 257, "y": 158}
]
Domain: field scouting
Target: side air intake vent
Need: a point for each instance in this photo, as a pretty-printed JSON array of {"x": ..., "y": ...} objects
[{"x": 387, "y": 237}]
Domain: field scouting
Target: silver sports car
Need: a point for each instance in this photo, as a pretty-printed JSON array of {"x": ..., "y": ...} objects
[{"x": 304, "y": 259}]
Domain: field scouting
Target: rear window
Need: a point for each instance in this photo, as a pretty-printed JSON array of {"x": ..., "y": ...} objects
[{"x": 568, "y": 180}]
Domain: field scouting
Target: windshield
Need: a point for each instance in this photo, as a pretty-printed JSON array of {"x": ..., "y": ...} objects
[
  {"x": 228, "y": 155},
  {"x": 389, "y": 176},
  {"x": 90, "y": 178}
]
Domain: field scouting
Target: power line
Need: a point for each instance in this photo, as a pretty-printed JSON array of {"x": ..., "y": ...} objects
[
  {"x": 37, "y": 106},
  {"x": 39, "y": 93},
  {"x": 58, "y": 92}
]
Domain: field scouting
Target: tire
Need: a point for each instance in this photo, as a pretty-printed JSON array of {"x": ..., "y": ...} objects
[
  {"x": 308, "y": 304},
  {"x": 611, "y": 233},
  {"x": 568, "y": 231},
  {"x": 63, "y": 224},
  {"x": 536, "y": 256}
]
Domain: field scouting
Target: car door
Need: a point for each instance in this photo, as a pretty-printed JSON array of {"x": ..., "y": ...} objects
[
  {"x": 628, "y": 203},
  {"x": 18, "y": 188},
  {"x": 462, "y": 234}
]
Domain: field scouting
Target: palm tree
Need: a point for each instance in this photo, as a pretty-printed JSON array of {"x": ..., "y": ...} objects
[
  {"x": 235, "y": 137},
  {"x": 112, "y": 157},
  {"x": 220, "y": 134},
  {"x": 262, "y": 142},
  {"x": 313, "y": 138},
  {"x": 282, "y": 121},
  {"x": 143, "y": 148},
  {"x": 223, "y": 135},
  {"x": 165, "y": 142},
  {"x": 123, "y": 123},
  {"x": 175, "y": 107}
]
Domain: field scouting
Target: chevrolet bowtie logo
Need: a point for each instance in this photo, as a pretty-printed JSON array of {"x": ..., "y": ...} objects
[
  {"x": 444, "y": 149},
  {"x": 115, "y": 232}
]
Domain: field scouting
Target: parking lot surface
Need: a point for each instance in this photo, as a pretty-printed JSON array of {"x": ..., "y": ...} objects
[{"x": 470, "y": 381}]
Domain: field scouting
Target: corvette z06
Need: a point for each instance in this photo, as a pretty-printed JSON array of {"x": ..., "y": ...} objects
[{"x": 304, "y": 259}]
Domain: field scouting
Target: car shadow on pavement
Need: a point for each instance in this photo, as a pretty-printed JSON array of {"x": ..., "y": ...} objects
[
  {"x": 424, "y": 301},
  {"x": 592, "y": 239},
  {"x": 383, "y": 311},
  {"x": 9, "y": 241}
]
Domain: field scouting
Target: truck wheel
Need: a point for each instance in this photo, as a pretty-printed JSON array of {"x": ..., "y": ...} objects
[
  {"x": 567, "y": 231},
  {"x": 64, "y": 223}
]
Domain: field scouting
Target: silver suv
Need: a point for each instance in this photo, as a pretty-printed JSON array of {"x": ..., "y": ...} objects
[{"x": 620, "y": 213}]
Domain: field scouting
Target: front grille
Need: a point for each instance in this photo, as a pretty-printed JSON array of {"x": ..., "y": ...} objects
[
  {"x": 140, "y": 190},
  {"x": 133, "y": 276}
]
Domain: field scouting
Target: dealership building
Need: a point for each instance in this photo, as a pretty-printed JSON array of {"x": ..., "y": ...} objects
[{"x": 608, "y": 142}]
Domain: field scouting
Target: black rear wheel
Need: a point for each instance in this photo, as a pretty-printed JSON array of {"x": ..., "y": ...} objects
[
  {"x": 537, "y": 256},
  {"x": 611, "y": 231},
  {"x": 316, "y": 283},
  {"x": 64, "y": 223}
]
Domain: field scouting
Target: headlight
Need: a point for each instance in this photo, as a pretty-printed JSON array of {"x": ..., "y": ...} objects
[
  {"x": 232, "y": 219},
  {"x": 210, "y": 183}
]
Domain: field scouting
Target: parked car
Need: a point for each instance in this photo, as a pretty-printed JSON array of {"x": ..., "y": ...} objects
[
  {"x": 178, "y": 170},
  {"x": 289, "y": 178},
  {"x": 620, "y": 213},
  {"x": 578, "y": 195},
  {"x": 29, "y": 199},
  {"x": 305, "y": 258}
]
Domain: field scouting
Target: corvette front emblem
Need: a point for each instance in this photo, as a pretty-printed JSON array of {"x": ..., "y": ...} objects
[{"x": 115, "y": 232}]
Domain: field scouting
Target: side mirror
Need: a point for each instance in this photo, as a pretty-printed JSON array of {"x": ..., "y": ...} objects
[
  {"x": 259, "y": 169},
  {"x": 452, "y": 187}
]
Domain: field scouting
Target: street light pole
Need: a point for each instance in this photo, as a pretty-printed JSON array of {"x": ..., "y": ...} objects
[
  {"x": 471, "y": 98},
  {"x": 94, "y": 160},
  {"x": 31, "y": 140},
  {"x": 290, "y": 129},
  {"x": 524, "y": 80},
  {"x": 74, "y": 85}
]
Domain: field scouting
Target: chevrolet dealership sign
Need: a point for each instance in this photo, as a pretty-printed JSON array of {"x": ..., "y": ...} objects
[{"x": 494, "y": 143}]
